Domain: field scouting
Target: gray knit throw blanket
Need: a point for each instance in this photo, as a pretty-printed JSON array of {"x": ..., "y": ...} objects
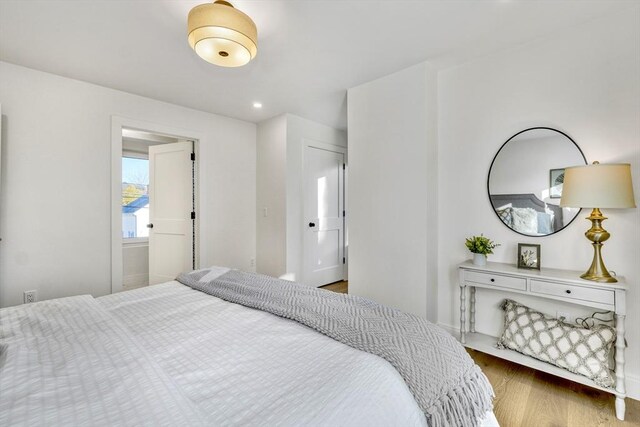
[{"x": 448, "y": 386}]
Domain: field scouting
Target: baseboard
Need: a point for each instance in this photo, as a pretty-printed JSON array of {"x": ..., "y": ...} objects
[
  {"x": 451, "y": 329},
  {"x": 633, "y": 386},
  {"x": 631, "y": 381}
]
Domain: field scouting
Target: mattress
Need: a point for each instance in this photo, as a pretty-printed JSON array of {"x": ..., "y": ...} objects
[{"x": 170, "y": 355}]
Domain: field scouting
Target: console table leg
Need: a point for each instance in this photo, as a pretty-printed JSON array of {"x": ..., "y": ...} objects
[
  {"x": 620, "y": 387},
  {"x": 463, "y": 309},
  {"x": 620, "y": 408},
  {"x": 472, "y": 311}
]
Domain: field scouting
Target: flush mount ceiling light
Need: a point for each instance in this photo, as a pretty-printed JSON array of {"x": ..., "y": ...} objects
[{"x": 222, "y": 35}]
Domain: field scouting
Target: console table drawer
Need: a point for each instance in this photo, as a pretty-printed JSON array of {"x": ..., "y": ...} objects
[
  {"x": 498, "y": 280},
  {"x": 573, "y": 292}
]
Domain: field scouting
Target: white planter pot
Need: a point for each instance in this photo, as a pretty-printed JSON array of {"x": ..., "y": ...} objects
[{"x": 479, "y": 259}]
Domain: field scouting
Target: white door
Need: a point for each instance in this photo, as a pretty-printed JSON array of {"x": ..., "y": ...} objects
[
  {"x": 324, "y": 216},
  {"x": 170, "y": 211}
]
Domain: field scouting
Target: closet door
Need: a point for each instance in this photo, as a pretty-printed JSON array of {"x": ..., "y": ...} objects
[{"x": 324, "y": 216}]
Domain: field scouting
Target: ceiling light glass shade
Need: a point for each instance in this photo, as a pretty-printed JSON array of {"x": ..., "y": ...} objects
[{"x": 222, "y": 35}]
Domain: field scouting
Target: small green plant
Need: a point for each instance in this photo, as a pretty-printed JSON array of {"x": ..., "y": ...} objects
[{"x": 481, "y": 245}]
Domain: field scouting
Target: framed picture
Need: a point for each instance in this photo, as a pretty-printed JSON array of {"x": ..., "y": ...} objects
[
  {"x": 528, "y": 256},
  {"x": 556, "y": 179}
]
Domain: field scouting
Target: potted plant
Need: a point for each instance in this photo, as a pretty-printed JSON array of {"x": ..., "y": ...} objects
[{"x": 480, "y": 247}]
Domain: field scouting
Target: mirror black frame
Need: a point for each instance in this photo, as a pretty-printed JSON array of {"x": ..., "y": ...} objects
[{"x": 496, "y": 156}]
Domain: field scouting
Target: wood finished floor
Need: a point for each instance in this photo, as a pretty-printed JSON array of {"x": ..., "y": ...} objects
[
  {"x": 529, "y": 398},
  {"x": 340, "y": 287}
]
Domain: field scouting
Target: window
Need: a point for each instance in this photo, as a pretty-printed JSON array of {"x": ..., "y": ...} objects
[{"x": 135, "y": 197}]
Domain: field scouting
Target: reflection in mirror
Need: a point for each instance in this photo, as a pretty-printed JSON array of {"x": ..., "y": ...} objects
[{"x": 525, "y": 181}]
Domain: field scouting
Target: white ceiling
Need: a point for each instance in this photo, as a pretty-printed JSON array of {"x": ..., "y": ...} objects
[{"x": 309, "y": 52}]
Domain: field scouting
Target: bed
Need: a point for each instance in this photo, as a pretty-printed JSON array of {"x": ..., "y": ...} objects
[{"x": 172, "y": 355}]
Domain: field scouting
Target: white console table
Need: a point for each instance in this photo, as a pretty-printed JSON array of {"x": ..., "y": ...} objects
[{"x": 560, "y": 285}]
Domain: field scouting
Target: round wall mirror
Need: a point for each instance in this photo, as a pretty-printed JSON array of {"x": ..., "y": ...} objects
[{"x": 525, "y": 181}]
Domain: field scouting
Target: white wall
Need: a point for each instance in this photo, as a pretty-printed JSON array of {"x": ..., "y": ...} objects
[
  {"x": 585, "y": 82},
  {"x": 392, "y": 190},
  {"x": 55, "y": 207},
  {"x": 135, "y": 265},
  {"x": 280, "y": 143},
  {"x": 271, "y": 187}
]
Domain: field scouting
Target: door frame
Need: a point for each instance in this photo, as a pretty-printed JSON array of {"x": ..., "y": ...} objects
[
  {"x": 310, "y": 143},
  {"x": 117, "y": 124}
]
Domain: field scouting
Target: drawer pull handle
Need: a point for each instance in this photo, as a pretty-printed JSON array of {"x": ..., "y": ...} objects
[
  {"x": 493, "y": 280},
  {"x": 568, "y": 291}
]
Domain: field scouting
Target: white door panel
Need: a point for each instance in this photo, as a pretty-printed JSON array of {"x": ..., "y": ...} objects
[
  {"x": 324, "y": 216},
  {"x": 170, "y": 207},
  {"x": 172, "y": 226},
  {"x": 165, "y": 249}
]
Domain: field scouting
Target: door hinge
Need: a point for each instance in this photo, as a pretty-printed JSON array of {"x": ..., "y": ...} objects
[
  {"x": 344, "y": 213},
  {"x": 193, "y": 215},
  {"x": 344, "y": 167},
  {"x": 344, "y": 260},
  {"x": 193, "y": 157}
]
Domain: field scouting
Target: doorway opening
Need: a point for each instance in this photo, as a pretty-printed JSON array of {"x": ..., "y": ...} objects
[{"x": 154, "y": 205}]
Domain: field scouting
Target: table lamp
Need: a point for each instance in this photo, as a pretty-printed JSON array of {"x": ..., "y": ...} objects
[{"x": 598, "y": 186}]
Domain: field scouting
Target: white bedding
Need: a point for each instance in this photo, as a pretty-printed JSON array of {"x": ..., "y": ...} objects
[
  {"x": 246, "y": 367},
  {"x": 66, "y": 362},
  {"x": 170, "y": 355}
]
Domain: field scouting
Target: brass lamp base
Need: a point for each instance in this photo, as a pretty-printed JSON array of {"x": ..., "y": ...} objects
[{"x": 597, "y": 272}]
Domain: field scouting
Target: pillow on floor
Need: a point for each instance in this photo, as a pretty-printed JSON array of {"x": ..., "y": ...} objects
[{"x": 576, "y": 349}]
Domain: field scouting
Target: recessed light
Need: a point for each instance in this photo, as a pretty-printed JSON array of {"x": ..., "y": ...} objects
[{"x": 257, "y": 105}]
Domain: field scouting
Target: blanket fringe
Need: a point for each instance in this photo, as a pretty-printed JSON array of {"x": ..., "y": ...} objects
[{"x": 465, "y": 405}]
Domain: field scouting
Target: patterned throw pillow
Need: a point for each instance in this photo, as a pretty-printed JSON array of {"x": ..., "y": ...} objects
[
  {"x": 505, "y": 215},
  {"x": 579, "y": 350}
]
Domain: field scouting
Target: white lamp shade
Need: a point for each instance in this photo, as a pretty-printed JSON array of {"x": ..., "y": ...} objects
[
  {"x": 222, "y": 35},
  {"x": 598, "y": 186}
]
